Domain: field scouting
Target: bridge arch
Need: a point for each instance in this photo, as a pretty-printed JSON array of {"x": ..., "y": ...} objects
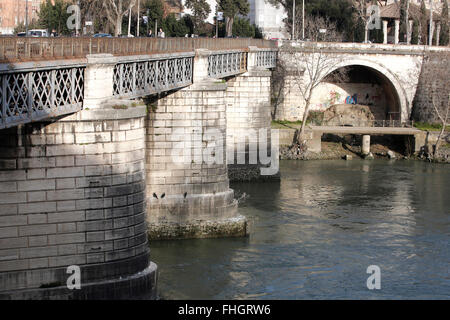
[{"x": 391, "y": 80}]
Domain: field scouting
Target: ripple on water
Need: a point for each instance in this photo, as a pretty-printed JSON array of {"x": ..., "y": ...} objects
[{"x": 313, "y": 235}]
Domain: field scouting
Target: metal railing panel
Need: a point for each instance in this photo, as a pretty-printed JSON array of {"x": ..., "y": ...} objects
[
  {"x": 36, "y": 95},
  {"x": 142, "y": 78},
  {"x": 227, "y": 64},
  {"x": 24, "y": 48}
]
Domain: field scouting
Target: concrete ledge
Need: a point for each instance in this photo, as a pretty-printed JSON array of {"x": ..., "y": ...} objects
[
  {"x": 157, "y": 56},
  {"x": 199, "y": 229},
  {"x": 207, "y": 85},
  {"x": 108, "y": 112},
  {"x": 41, "y": 65},
  {"x": 141, "y": 285},
  {"x": 101, "y": 58},
  {"x": 258, "y": 72}
]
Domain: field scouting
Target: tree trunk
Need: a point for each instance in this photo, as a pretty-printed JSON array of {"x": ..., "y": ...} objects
[
  {"x": 419, "y": 36},
  {"x": 366, "y": 33},
  {"x": 118, "y": 26},
  {"x": 444, "y": 126},
  {"x": 305, "y": 118},
  {"x": 229, "y": 26},
  {"x": 436, "y": 146},
  {"x": 408, "y": 37}
]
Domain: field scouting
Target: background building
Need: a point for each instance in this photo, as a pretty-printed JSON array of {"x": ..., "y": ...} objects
[
  {"x": 12, "y": 13},
  {"x": 437, "y": 4},
  {"x": 264, "y": 15},
  {"x": 268, "y": 18}
]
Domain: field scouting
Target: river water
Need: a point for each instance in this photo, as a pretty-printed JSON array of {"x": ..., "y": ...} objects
[{"x": 314, "y": 234}]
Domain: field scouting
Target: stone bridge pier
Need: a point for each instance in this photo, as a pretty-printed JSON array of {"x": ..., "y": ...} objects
[
  {"x": 248, "y": 112},
  {"x": 109, "y": 151},
  {"x": 188, "y": 193},
  {"x": 72, "y": 192}
]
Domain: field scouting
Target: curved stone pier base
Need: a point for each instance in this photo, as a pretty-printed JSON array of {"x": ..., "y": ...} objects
[
  {"x": 196, "y": 216},
  {"x": 72, "y": 195},
  {"x": 139, "y": 286},
  {"x": 200, "y": 229}
]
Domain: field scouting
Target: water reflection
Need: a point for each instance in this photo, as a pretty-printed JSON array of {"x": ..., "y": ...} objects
[{"x": 314, "y": 234}]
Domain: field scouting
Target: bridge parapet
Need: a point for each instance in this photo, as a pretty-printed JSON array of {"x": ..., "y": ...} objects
[
  {"x": 36, "y": 95},
  {"x": 14, "y": 49},
  {"x": 94, "y": 70},
  {"x": 227, "y": 63},
  {"x": 266, "y": 58},
  {"x": 364, "y": 48},
  {"x": 152, "y": 74}
]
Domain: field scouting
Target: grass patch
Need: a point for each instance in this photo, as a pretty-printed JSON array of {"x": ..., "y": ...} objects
[{"x": 430, "y": 126}]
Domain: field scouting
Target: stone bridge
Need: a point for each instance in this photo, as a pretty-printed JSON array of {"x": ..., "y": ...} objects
[
  {"x": 105, "y": 143},
  {"x": 384, "y": 77},
  {"x": 92, "y": 134}
]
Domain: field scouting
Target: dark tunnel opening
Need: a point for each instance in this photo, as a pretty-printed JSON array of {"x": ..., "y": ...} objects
[{"x": 366, "y": 86}]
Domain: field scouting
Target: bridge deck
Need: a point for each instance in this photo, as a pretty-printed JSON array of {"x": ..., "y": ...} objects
[
  {"x": 43, "y": 78},
  {"x": 365, "y": 130}
]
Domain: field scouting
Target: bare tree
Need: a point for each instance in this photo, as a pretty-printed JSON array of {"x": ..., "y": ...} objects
[
  {"x": 361, "y": 7},
  {"x": 115, "y": 10},
  {"x": 308, "y": 64},
  {"x": 321, "y": 29},
  {"x": 408, "y": 32},
  {"x": 93, "y": 11},
  {"x": 443, "y": 117}
]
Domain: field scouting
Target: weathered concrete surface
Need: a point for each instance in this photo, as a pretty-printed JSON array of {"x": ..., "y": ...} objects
[
  {"x": 365, "y": 130},
  {"x": 72, "y": 192},
  {"x": 198, "y": 229},
  {"x": 365, "y": 147}
]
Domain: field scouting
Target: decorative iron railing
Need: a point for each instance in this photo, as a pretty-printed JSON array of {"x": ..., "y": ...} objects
[
  {"x": 226, "y": 64},
  {"x": 22, "y": 49},
  {"x": 266, "y": 58},
  {"x": 36, "y": 95},
  {"x": 141, "y": 78}
]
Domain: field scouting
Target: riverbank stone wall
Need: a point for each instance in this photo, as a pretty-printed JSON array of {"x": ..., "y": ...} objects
[{"x": 433, "y": 84}]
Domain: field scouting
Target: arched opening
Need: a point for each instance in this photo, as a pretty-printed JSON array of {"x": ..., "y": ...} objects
[{"x": 362, "y": 85}]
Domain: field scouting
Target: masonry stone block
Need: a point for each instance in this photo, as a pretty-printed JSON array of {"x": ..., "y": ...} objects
[{"x": 54, "y": 207}]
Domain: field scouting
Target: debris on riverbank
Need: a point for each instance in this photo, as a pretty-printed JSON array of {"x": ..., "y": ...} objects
[
  {"x": 335, "y": 147},
  {"x": 337, "y": 151},
  {"x": 333, "y": 150}
]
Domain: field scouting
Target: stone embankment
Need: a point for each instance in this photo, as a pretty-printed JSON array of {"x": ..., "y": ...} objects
[{"x": 348, "y": 147}]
